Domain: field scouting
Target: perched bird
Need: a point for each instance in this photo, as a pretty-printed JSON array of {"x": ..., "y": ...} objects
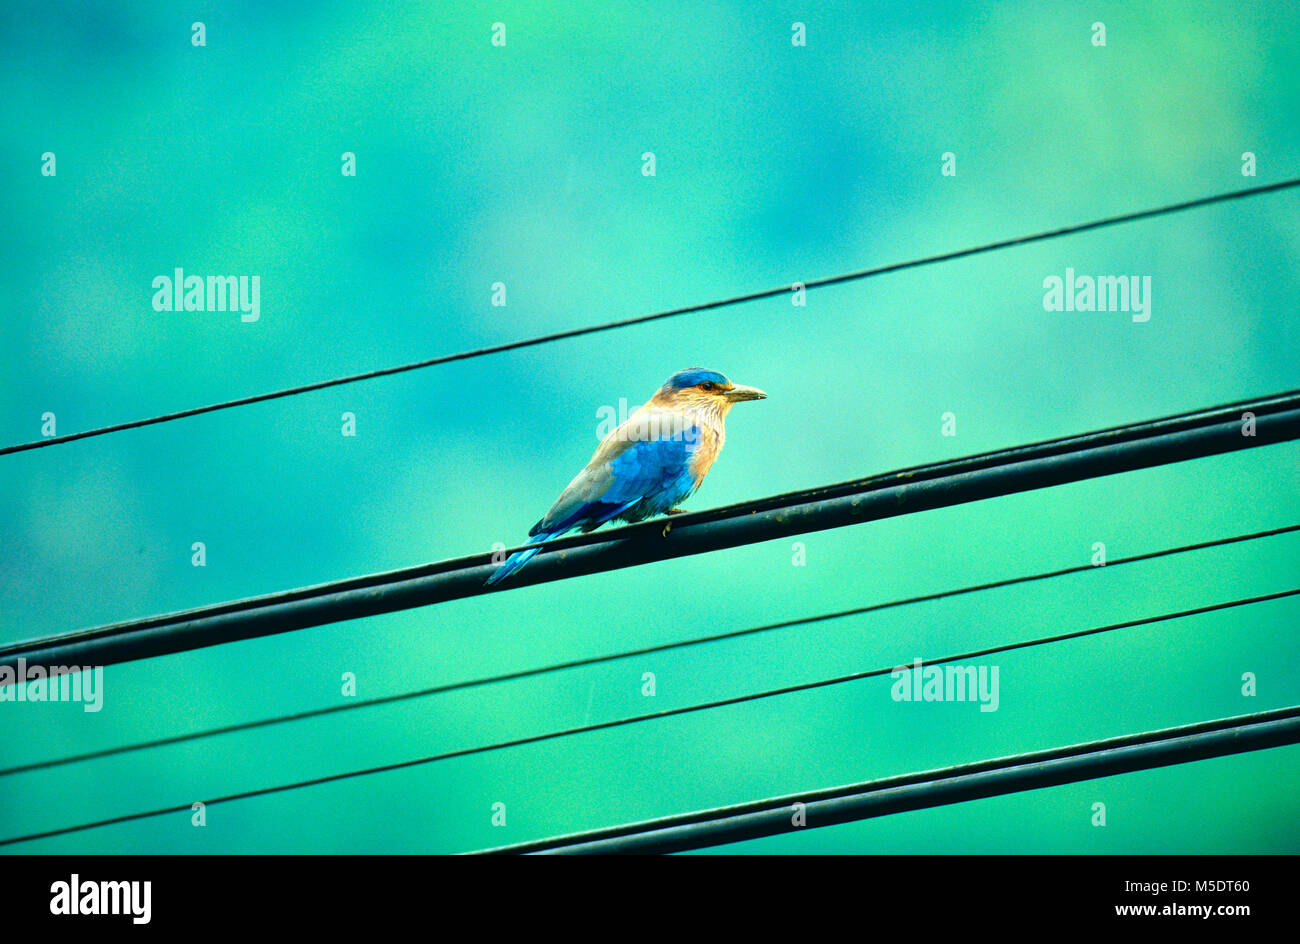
[{"x": 649, "y": 464}]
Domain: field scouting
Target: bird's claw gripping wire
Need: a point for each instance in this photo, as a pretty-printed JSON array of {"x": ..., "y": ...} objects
[{"x": 669, "y": 525}]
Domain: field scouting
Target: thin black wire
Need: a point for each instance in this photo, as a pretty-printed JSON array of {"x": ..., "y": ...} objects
[
  {"x": 632, "y": 653},
  {"x": 652, "y": 716},
  {"x": 670, "y": 313}
]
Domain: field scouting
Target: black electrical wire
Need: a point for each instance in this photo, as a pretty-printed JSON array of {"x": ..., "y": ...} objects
[
  {"x": 1003, "y": 472},
  {"x": 633, "y": 653},
  {"x": 670, "y": 313},
  {"x": 652, "y": 716},
  {"x": 1220, "y": 737}
]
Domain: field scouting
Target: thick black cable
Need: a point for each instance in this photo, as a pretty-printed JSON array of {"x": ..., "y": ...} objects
[
  {"x": 652, "y": 716},
  {"x": 1055, "y": 462},
  {"x": 634, "y": 653},
  {"x": 1220, "y": 737},
  {"x": 670, "y": 313}
]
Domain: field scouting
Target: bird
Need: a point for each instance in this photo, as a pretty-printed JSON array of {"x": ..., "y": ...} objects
[{"x": 648, "y": 465}]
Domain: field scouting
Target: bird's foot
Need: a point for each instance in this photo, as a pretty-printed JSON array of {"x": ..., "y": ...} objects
[{"x": 672, "y": 511}]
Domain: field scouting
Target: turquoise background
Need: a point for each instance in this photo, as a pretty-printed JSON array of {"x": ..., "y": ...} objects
[{"x": 522, "y": 164}]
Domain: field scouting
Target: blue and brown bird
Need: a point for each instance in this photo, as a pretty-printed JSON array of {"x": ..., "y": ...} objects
[{"x": 649, "y": 464}]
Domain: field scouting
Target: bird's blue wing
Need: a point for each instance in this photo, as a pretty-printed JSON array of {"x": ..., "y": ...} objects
[
  {"x": 646, "y": 462},
  {"x": 622, "y": 474}
]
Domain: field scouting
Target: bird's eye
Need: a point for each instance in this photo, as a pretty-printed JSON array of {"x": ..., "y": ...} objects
[{"x": 708, "y": 385}]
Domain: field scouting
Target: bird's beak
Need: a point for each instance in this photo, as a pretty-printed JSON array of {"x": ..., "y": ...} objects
[{"x": 740, "y": 392}]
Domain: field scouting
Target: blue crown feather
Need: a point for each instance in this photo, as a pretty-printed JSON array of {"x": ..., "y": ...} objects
[{"x": 694, "y": 376}]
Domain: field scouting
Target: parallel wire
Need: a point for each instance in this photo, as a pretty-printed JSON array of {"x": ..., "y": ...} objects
[
  {"x": 958, "y": 783},
  {"x": 632, "y": 653},
  {"x": 754, "y": 296},
  {"x": 652, "y": 716},
  {"x": 1178, "y": 438},
  {"x": 670, "y": 313}
]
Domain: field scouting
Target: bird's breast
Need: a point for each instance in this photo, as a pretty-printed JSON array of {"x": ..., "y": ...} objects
[{"x": 711, "y": 437}]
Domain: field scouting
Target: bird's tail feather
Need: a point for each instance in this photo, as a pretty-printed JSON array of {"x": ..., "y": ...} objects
[
  {"x": 518, "y": 559},
  {"x": 594, "y": 513}
]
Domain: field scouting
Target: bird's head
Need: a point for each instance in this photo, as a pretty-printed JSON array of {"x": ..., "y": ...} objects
[{"x": 698, "y": 387}]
